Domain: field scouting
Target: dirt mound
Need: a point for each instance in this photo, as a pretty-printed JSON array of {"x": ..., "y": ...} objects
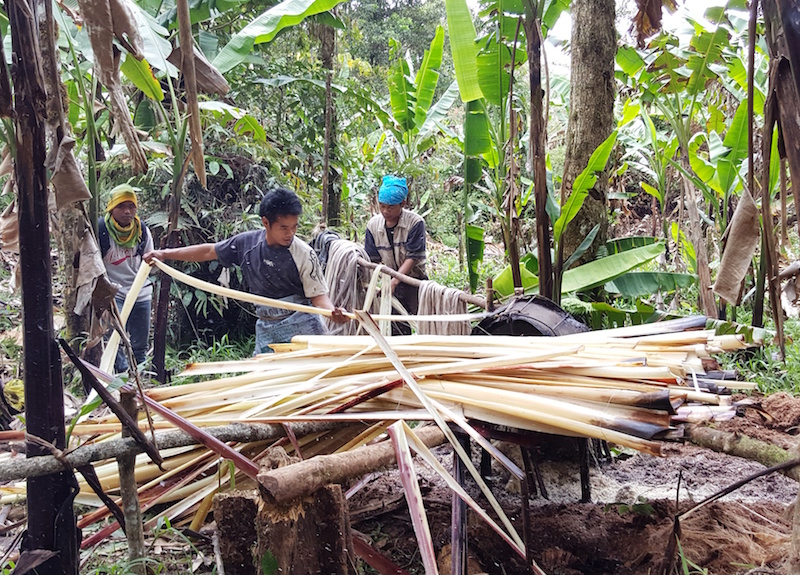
[
  {"x": 627, "y": 527},
  {"x": 777, "y": 421}
]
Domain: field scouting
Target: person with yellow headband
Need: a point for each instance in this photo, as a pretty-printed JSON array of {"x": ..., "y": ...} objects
[{"x": 124, "y": 239}]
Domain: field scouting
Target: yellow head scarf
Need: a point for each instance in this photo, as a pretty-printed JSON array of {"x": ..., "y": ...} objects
[
  {"x": 120, "y": 194},
  {"x": 125, "y": 236}
]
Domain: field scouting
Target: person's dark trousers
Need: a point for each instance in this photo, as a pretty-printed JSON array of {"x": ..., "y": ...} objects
[
  {"x": 138, "y": 328},
  {"x": 408, "y": 296}
]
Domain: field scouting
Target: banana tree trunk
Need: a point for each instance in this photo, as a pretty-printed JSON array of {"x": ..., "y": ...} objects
[
  {"x": 538, "y": 144},
  {"x": 696, "y": 236},
  {"x": 190, "y": 83}
]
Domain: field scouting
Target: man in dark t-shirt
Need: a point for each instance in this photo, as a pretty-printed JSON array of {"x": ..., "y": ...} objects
[{"x": 274, "y": 264}]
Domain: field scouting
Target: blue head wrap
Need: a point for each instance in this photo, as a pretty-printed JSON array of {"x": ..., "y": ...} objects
[{"x": 393, "y": 190}]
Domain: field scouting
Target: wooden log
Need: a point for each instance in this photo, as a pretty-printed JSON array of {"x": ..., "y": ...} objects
[
  {"x": 126, "y": 464},
  {"x": 304, "y": 478},
  {"x": 742, "y": 446},
  {"x": 35, "y": 467}
]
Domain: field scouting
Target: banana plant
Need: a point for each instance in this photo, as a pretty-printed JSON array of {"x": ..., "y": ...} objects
[
  {"x": 485, "y": 66},
  {"x": 647, "y": 151},
  {"x": 411, "y": 97},
  {"x": 674, "y": 77},
  {"x": 266, "y": 26}
]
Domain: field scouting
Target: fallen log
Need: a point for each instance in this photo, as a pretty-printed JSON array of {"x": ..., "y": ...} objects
[
  {"x": 301, "y": 479},
  {"x": 743, "y": 446},
  {"x": 111, "y": 449}
]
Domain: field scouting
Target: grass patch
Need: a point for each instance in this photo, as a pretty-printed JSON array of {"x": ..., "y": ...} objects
[{"x": 764, "y": 367}]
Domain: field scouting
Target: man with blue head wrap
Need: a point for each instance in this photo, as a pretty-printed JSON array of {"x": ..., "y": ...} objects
[{"x": 396, "y": 238}]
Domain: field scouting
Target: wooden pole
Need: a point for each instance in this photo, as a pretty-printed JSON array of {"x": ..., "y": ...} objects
[
  {"x": 463, "y": 296},
  {"x": 128, "y": 491},
  {"x": 51, "y": 519}
]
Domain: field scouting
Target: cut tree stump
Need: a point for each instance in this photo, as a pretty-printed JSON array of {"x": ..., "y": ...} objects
[
  {"x": 304, "y": 535},
  {"x": 235, "y": 514},
  {"x": 309, "y": 535}
]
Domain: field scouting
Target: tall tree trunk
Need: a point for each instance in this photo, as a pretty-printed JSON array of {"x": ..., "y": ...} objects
[
  {"x": 331, "y": 200},
  {"x": 591, "y": 117},
  {"x": 51, "y": 519},
  {"x": 538, "y": 138}
]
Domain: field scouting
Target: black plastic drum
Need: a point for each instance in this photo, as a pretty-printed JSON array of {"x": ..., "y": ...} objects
[{"x": 531, "y": 316}]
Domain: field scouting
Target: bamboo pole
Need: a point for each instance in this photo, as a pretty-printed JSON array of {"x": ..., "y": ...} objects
[{"x": 467, "y": 298}]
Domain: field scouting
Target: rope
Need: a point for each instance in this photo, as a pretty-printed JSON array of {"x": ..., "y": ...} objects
[{"x": 436, "y": 299}]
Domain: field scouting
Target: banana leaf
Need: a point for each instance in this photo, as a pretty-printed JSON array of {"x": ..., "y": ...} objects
[
  {"x": 708, "y": 47},
  {"x": 461, "y": 29},
  {"x": 438, "y": 112},
  {"x": 265, "y": 27},
  {"x": 635, "y": 284},
  {"x": 477, "y": 138},
  {"x": 401, "y": 90},
  {"x": 629, "y": 60},
  {"x": 551, "y": 12},
  {"x": 139, "y": 72},
  {"x": 428, "y": 77},
  {"x": 624, "y": 244},
  {"x": 602, "y": 315},
  {"x": 494, "y": 69},
  {"x": 475, "y": 245},
  {"x": 599, "y": 272},
  {"x": 503, "y": 283},
  {"x": 587, "y": 276},
  {"x": 583, "y": 183}
]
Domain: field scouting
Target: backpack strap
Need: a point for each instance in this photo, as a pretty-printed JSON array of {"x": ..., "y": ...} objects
[
  {"x": 103, "y": 237},
  {"x": 143, "y": 243}
]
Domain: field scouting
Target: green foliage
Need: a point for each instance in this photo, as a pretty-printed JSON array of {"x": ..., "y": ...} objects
[
  {"x": 265, "y": 27},
  {"x": 269, "y": 564},
  {"x": 126, "y": 567},
  {"x": 640, "y": 507},
  {"x": 224, "y": 348},
  {"x": 762, "y": 365},
  {"x": 587, "y": 276},
  {"x": 687, "y": 566}
]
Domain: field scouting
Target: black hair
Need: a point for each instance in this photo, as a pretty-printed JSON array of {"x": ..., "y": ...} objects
[{"x": 279, "y": 202}]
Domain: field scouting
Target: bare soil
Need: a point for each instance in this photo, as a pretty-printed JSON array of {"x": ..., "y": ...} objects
[{"x": 628, "y": 525}]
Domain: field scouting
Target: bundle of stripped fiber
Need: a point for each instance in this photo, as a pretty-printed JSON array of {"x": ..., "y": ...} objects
[{"x": 631, "y": 390}]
